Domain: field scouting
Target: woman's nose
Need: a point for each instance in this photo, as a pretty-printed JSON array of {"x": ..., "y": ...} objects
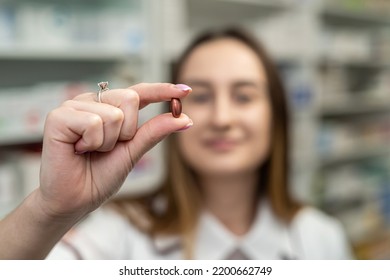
[{"x": 222, "y": 115}]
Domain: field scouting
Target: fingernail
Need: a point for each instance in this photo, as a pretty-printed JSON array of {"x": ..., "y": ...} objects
[
  {"x": 186, "y": 127},
  {"x": 183, "y": 87}
]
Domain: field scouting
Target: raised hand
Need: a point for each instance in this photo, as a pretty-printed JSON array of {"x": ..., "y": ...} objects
[{"x": 90, "y": 147}]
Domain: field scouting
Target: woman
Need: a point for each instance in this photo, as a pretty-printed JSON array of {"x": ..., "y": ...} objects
[{"x": 226, "y": 193}]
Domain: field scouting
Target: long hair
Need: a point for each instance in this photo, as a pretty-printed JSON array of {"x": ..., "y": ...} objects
[{"x": 180, "y": 191}]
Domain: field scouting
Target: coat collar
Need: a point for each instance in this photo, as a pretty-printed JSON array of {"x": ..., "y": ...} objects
[{"x": 267, "y": 239}]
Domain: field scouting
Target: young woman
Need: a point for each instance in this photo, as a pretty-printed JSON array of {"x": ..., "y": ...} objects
[{"x": 226, "y": 194}]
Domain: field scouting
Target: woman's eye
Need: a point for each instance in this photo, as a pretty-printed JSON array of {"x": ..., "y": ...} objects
[
  {"x": 242, "y": 97},
  {"x": 199, "y": 97}
]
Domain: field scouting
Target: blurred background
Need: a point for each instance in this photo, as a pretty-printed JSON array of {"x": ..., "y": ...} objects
[{"x": 334, "y": 56}]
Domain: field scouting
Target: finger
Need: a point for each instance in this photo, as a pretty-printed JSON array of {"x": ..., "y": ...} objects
[
  {"x": 157, "y": 92},
  {"x": 148, "y": 93},
  {"x": 153, "y": 131},
  {"x": 138, "y": 95},
  {"x": 111, "y": 116},
  {"x": 127, "y": 100},
  {"x": 82, "y": 129}
]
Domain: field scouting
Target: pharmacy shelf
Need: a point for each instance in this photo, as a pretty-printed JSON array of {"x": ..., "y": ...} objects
[
  {"x": 24, "y": 139},
  {"x": 355, "y": 108},
  {"x": 357, "y": 18},
  {"x": 26, "y": 67},
  {"x": 68, "y": 54},
  {"x": 203, "y": 12},
  {"x": 265, "y": 4},
  {"x": 362, "y": 64},
  {"x": 356, "y": 155},
  {"x": 353, "y": 69},
  {"x": 29, "y": 72}
]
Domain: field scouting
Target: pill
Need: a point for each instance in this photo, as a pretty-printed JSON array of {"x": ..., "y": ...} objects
[{"x": 175, "y": 107}]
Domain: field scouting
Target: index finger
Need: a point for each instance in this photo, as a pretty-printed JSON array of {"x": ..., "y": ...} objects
[{"x": 157, "y": 92}]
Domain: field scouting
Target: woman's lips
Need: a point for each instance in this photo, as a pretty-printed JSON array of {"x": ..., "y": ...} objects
[{"x": 220, "y": 144}]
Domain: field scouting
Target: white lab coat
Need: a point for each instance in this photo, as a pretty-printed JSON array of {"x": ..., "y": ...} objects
[{"x": 107, "y": 235}]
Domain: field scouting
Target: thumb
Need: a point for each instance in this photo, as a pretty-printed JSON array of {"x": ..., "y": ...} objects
[{"x": 155, "y": 130}]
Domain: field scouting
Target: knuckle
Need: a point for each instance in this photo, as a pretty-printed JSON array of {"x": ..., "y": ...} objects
[
  {"x": 53, "y": 115},
  {"x": 95, "y": 121},
  {"x": 128, "y": 134},
  {"x": 143, "y": 84},
  {"x": 131, "y": 97},
  {"x": 58, "y": 114},
  {"x": 116, "y": 115},
  {"x": 95, "y": 143},
  {"x": 166, "y": 85}
]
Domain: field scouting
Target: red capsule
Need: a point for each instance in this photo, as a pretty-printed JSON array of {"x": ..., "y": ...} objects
[{"x": 175, "y": 107}]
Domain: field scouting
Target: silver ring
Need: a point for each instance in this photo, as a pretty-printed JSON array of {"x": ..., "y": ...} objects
[{"x": 103, "y": 86}]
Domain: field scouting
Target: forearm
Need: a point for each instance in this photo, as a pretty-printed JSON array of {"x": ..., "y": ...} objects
[{"x": 28, "y": 233}]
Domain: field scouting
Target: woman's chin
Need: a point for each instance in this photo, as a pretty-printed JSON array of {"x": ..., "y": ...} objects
[{"x": 224, "y": 169}]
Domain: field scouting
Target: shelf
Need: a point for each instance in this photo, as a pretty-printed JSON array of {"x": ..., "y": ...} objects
[
  {"x": 265, "y": 4},
  {"x": 70, "y": 54},
  {"x": 332, "y": 160},
  {"x": 30, "y": 72},
  {"x": 340, "y": 16},
  {"x": 205, "y": 13},
  {"x": 25, "y": 68},
  {"x": 354, "y": 108},
  {"x": 16, "y": 140},
  {"x": 367, "y": 64}
]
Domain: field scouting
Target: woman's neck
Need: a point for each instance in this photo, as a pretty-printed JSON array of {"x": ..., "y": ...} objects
[{"x": 232, "y": 199}]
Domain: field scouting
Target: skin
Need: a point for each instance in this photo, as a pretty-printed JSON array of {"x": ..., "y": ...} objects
[
  {"x": 231, "y": 136},
  {"x": 88, "y": 150}
]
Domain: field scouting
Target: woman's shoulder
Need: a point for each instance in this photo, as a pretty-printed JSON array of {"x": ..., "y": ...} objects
[
  {"x": 320, "y": 234},
  {"x": 309, "y": 216},
  {"x": 317, "y": 223}
]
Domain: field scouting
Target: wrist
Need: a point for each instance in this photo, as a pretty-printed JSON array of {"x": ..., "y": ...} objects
[
  {"x": 44, "y": 213},
  {"x": 30, "y": 232}
]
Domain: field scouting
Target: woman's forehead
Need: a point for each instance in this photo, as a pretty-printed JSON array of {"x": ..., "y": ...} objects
[{"x": 223, "y": 59}]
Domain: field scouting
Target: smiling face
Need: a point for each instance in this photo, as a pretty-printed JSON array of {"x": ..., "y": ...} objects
[{"x": 230, "y": 108}]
